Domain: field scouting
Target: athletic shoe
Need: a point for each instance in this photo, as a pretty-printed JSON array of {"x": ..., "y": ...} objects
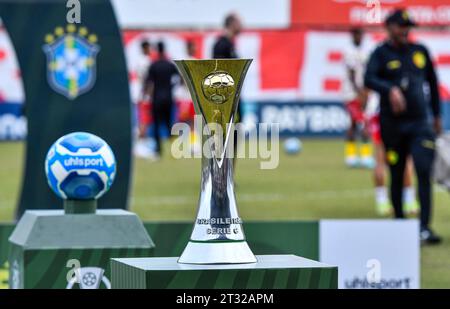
[
  {"x": 384, "y": 209},
  {"x": 367, "y": 162},
  {"x": 352, "y": 161},
  {"x": 411, "y": 208},
  {"x": 427, "y": 237},
  {"x": 141, "y": 150}
]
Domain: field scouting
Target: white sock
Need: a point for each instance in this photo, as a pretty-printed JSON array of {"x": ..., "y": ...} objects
[
  {"x": 381, "y": 195},
  {"x": 409, "y": 195}
]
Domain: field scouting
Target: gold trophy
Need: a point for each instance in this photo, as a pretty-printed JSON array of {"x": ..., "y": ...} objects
[{"x": 217, "y": 237}]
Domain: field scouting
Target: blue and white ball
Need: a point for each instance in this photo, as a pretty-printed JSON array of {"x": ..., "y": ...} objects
[
  {"x": 292, "y": 146},
  {"x": 80, "y": 166}
]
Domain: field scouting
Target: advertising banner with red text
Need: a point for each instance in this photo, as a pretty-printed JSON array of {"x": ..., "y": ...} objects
[
  {"x": 294, "y": 65},
  {"x": 350, "y": 12}
]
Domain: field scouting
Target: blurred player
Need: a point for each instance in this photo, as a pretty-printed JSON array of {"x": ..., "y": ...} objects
[
  {"x": 185, "y": 105},
  {"x": 356, "y": 97},
  {"x": 142, "y": 147},
  {"x": 161, "y": 79},
  {"x": 382, "y": 202},
  {"x": 191, "y": 49},
  {"x": 224, "y": 48},
  {"x": 399, "y": 70}
]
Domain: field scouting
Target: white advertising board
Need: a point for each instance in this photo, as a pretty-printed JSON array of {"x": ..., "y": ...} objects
[{"x": 381, "y": 254}]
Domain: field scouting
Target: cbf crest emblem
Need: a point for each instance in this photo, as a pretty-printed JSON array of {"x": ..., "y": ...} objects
[{"x": 71, "y": 60}]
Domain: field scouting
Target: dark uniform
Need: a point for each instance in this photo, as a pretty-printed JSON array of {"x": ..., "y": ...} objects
[
  {"x": 411, "y": 69},
  {"x": 162, "y": 74},
  {"x": 224, "y": 48}
]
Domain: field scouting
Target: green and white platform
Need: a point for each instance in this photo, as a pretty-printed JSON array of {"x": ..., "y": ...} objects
[{"x": 270, "y": 271}]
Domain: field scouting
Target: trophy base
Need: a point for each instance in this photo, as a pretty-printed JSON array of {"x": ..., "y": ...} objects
[
  {"x": 217, "y": 253},
  {"x": 269, "y": 272}
]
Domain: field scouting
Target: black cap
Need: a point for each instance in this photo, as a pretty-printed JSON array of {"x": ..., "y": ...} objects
[{"x": 400, "y": 17}]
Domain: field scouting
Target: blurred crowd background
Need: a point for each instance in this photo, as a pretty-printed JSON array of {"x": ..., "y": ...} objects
[{"x": 298, "y": 48}]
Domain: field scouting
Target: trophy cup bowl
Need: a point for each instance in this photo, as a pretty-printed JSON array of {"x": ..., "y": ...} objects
[{"x": 217, "y": 236}]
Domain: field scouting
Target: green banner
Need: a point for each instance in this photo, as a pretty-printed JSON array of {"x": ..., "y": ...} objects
[
  {"x": 5, "y": 232},
  {"x": 75, "y": 79},
  {"x": 299, "y": 238}
]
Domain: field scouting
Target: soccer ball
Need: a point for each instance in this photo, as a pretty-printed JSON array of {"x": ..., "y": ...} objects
[
  {"x": 292, "y": 145},
  {"x": 80, "y": 166},
  {"x": 218, "y": 87}
]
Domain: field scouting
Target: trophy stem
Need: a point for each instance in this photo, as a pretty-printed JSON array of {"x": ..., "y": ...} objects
[{"x": 218, "y": 236}]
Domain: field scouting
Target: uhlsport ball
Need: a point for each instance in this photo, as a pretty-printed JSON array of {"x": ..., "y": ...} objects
[
  {"x": 80, "y": 166},
  {"x": 292, "y": 145}
]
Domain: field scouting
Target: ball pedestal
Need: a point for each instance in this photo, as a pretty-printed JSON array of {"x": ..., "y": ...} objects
[
  {"x": 72, "y": 207},
  {"x": 72, "y": 248}
]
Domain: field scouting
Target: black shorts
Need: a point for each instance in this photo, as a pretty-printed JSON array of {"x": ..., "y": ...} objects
[{"x": 403, "y": 134}]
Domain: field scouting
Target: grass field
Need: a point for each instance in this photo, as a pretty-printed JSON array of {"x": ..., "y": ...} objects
[{"x": 313, "y": 185}]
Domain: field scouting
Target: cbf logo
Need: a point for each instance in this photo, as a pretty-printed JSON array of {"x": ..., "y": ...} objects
[{"x": 71, "y": 60}]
